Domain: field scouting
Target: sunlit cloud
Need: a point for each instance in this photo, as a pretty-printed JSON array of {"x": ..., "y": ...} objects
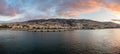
[
  {"x": 48, "y": 8},
  {"x": 15, "y": 18},
  {"x": 75, "y": 7}
]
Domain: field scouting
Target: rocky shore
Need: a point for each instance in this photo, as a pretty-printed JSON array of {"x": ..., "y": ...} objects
[{"x": 58, "y": 25}]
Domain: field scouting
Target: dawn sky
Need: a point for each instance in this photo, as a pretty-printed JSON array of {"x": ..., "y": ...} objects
[{"x": 101, "y": 10}]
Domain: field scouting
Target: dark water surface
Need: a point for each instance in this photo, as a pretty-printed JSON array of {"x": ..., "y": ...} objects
[{"x": 105, "y": 41}]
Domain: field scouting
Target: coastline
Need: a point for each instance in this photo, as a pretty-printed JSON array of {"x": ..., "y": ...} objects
[
  {"x": 58, "y": 25},
  {"x": 49, "y": 30}
]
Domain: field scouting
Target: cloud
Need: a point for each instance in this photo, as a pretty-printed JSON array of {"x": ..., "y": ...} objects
[
  {"x": 2, "y": 7},
  {"x": 4, "y": 10},
  {"x": 48, "y": 8},
  {"x": 113, "y": 5},
  {"x": 75, "y": 7}
]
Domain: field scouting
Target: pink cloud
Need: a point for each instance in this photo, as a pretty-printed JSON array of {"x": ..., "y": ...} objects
[
  {"x": 75, "y": 7},
  {"x": 5, "y": 11}
]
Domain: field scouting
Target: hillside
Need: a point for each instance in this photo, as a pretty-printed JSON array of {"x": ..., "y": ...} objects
[{"x": 59, "y": 25}]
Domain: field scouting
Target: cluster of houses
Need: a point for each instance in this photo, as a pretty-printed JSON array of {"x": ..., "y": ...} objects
[
  {"x": 39, "y": 26},
  {"x": 60, "y": 25}
]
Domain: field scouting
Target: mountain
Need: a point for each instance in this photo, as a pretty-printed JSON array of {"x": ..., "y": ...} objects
[
  {"x": 60, "y": 24},
  {"x": 82, "y": 23}
]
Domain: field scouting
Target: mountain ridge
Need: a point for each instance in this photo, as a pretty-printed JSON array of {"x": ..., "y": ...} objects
[{"x": 59, "y": 25}]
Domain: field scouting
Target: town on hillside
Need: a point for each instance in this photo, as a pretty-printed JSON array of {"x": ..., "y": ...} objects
[{"x": 58, "y": 25}]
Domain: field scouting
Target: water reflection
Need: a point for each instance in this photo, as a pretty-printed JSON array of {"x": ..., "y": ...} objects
[{"x": 105, "y": 41}]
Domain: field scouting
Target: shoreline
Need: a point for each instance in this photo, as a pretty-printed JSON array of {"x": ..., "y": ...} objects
[
  {"x": 50, "y": 30},
  {"x": 42, "y": 30},
  {"x": 58, "y": 25}
]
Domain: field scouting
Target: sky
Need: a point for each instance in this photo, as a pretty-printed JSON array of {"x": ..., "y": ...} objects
[{"x": 19, "y": 10}]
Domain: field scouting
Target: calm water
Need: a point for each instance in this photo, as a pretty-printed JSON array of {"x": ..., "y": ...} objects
[{"x": 105, "y": 41}]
